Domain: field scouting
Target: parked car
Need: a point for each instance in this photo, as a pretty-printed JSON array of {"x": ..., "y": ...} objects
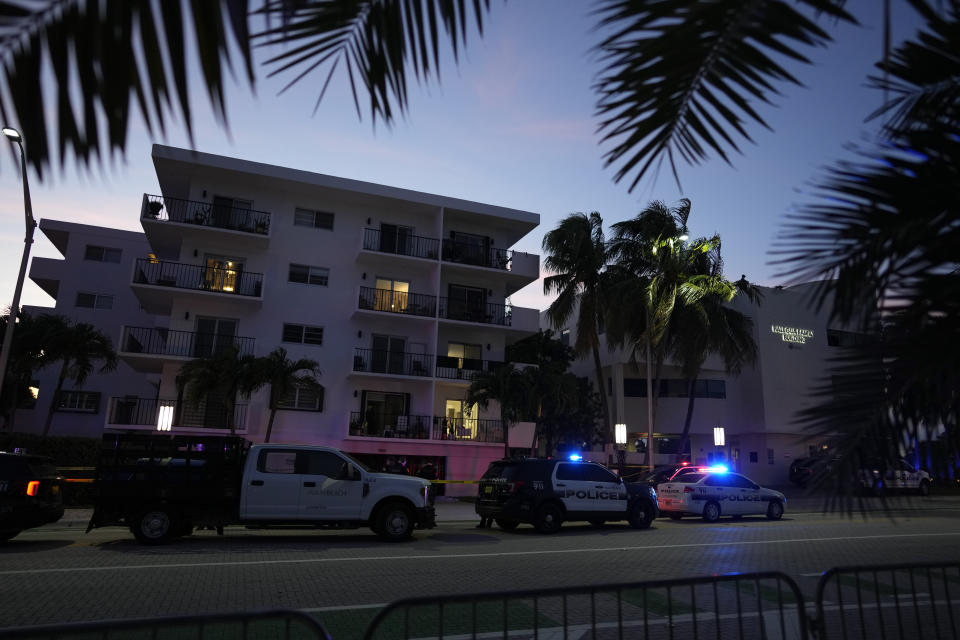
[
  {"x": 801, "y": 470},
  {"x": 30, "y": 493},
  {"x": 546, "y": 493},
  {"x": 899, "y": 476},
  {"x": 713, "y": 494}
]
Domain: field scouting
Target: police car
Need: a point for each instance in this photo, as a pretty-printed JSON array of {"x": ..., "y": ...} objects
[
  {"x": 899, "y": 476},
  {"x": 718, "y": 492},
  {"x": 546, "y": 493}
]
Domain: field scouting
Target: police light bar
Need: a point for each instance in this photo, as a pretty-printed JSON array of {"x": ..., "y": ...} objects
[
  {"x": 576, "y": 457},
  {"x": 718, "y": 468}
]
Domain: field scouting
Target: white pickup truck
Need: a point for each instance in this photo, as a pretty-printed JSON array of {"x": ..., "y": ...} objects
[{"x": 163, "y": 486}]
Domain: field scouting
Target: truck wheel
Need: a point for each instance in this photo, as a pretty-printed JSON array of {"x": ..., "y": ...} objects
[
  {"x": 8, "y": 534},
  {"x": 156, "y": 525},
  {"x": 507, "y": 525},
  {"x": 548, "y": 518},
  {"x": 395, "y": 522},
  {"x": 640, "y": 515},
  {"x": 775, "y": 510},
  {"x": 711, "y": 511}
]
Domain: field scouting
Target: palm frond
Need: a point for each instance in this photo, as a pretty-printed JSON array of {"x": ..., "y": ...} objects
[{"x": 679, "y": 76}]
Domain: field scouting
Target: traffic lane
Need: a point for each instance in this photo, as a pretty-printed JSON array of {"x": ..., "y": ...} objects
[{"x": 256, "y": 569}]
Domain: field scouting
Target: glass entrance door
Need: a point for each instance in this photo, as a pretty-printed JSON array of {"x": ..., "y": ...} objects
[
  {"x": 388, "y": 354},
  {"x": 214, "y": 336},
  {"x": 222, "y": 274},
  {"x": 461, "y": 420}
]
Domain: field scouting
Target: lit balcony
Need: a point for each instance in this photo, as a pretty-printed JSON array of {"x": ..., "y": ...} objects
[
  {"x": 157, "y": 282},
  {"x": 169, "y": 221},
  {"x": 147, "y": 348},
  {"x": 380, "y": 425},
  {"x": 401, "y": 302},
  {"x": 392, "y": 363},
  {"x": 165, "y": 415}
]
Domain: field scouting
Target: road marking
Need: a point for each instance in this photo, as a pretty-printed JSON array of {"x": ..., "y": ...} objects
[{"x": 447, "y": 556}]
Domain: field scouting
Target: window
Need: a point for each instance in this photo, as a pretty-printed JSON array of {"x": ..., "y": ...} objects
[
  {"x": 28, "y": 399},
  {"x": 94, "y": 301},
  {"x": 302, "y": 334},
  {"x": 565, "y": 337},
  {"x": 309, "y": 275},
  {"x": 596, "y": 473},
  {"x": 716, "y": 389},
  {"x": 313, "y": 218},
  {"x": 82, "y": 401},
  {"x": 569, "y": 472},
  {"x": 277, "y": 461},
  {"x": 635, "y": 387},
  {"x": 302, "y": 398},
  {"x": 770, "y": 457},
  {"x": 102, "y": 254},
  {"x": 754, "y": 457},
  {"x": 322, "y": 463}
]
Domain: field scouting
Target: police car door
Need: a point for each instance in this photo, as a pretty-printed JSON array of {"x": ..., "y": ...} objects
[
  {"x": 609, "y": 494},
  {"x": 747, "y": 496},
  {"x": 330, "y": 488},
  {"x": 571, "y": 487}
]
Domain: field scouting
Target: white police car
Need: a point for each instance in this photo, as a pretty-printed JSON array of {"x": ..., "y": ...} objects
[{"x": 717, "y": 492}]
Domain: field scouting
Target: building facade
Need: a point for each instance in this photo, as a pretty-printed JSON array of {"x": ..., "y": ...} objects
[{"x": 400, "y": 296}]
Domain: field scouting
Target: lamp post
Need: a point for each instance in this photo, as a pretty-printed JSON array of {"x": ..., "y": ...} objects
[
  {"x": 14, "y": 136},
  {"x": 620, "y": 437}
]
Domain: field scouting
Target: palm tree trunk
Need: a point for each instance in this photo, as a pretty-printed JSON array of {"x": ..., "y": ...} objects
[
  {"x": 506, "y": 436},
  {"x": 53, "y": 400},
  {"x": 686, "y": 423},
  {"x": 607, "y": 428},
  {"x": 649, "y": 401},
  {"x": 273, "y": 414}
]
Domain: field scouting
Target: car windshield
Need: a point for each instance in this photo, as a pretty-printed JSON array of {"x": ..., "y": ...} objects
[
  {"x": 356, "y": 462},
  {"x": 690, "y": 478}
]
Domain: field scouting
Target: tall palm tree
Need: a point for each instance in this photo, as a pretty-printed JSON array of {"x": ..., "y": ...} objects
[
  {"x": 78, "y": 348},
  {"x": 506, "y": 386},
  {"x": 544, "y": 381},
  {"x": 26, "y": 358},
  {"x": 577, "y": 257},
  {"x": 284, "y": 377},
  {"x": 218, "y": 377}
]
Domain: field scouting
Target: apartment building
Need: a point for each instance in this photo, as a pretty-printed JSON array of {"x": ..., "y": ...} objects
[
  {"x": 747, "y": 420},
  {"x": 400, "y": 296}
]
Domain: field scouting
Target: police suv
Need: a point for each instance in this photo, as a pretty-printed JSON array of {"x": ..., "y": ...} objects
[
  {"x": 718, "y": 492},
  {"x": 545, "y": 493}
]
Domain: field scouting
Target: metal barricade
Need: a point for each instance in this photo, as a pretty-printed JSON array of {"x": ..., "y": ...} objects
[
  {"x": 753, "y": 605},
  {"x": 890, "y": 601},
  {"x": 265, "y": 625}
]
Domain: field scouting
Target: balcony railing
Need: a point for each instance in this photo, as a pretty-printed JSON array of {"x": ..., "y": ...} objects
[
  {"x": 185, "y": 344},
  {"x": 380, "y": 425},
  {"x": 475, "y": 429},
  {"x": 400, "y": 243},
  {"x": 477, "y": 255},
  {"x": 394, "y": 362},
  {"x": 411, "y": 304},
  {"x": 205, "y": 214},
  {"x": 489, "y": 313},
  {"x": 198, "y": 277},
  {"x": 453, "y": 368},
  {"x": 164, "y": 414}
]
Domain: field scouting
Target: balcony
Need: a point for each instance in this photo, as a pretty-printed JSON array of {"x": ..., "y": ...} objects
[
  {"x": 399, "y": 243},
  {"x": 463, "y": 369},
  {"x": 389, "y": 301},
  {"x": 168, "y": 221},
  {"x": 147, "y": 348},
  {"x": 519, "y": 268},
  {"x": 165, "y": 415},
  {"x": 378, "y": 425},
  {"x": 394, "y": 363},
  {"x": 467, "y": 311},
  {"x": 157, "y": 282}
]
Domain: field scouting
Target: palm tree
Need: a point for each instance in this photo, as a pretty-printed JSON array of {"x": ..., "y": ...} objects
[
  {"x": 218, "y": 377},
  {"x": 577, "y": 256},
  {"x": 544, "y": 381},
  {"x": 284, "y": 377},
  {"x": 78, "y": 347},
  {"x": 25, "y": 358},
  {"x": 506, "y": 386}
]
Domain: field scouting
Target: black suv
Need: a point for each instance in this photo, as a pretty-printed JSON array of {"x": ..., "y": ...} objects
[
  {"x": 545, "y": 493},
  {"x": 29, "y": 493}
]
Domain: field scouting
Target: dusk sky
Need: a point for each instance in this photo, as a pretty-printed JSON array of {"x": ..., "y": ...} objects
[{"x": 512, "y": 125}]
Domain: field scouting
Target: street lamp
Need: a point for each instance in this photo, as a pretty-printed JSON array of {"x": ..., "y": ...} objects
[
  {"x": 14, "y": 136},
  {"x": 620, "y": 438}
]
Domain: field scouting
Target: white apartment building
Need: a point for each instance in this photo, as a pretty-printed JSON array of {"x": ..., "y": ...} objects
[
  {"x": 400, "y": 296},
  {"x": 756, "y": 409}
]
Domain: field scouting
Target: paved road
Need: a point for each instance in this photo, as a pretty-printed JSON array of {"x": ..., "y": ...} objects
[{"x": 59, "y": 574}]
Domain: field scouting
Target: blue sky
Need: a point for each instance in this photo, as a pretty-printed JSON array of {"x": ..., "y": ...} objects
[{"x": 513, "y": 125}]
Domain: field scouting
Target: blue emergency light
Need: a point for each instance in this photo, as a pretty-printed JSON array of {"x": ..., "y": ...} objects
[{"x": 576, "y": 457}]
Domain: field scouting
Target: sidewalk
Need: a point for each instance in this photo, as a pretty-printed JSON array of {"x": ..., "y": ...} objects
[{"x": 798, "y": 501}]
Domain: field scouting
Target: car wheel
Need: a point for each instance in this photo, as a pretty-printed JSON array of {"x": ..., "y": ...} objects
[
  {"x": 711, "y": 511},
  {"x": 775, "y": 510},
  {"x": 924, "y": 488},
  {"x": 548, "y": 518},
  {"x": 156, "y": 525},
  {"x": 395, "y": 522},
  {"x": 676, "y": 516},
  {"x": 641, "y": 515},
  {"x": 507, "y": 525},
  {"x": 8, "y": 534},
  {"x": 598, "y": 523}
]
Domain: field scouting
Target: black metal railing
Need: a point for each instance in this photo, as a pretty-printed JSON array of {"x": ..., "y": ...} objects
[
  {"x": 205, "y": 214},
  {"x": 383, "y": 425},
  {"x": 475, "y": 429},
  {"x": 412, "y": 304},
  {"x": 401, "y": 243},
  {"x": 453, "y": 368},
  {"x": 131, "y": 411},
  {"x": 477, "y": 255},
  {"x": 188, "y": 344},
  {"x": 198, "y": 277},
  {"x": 489, "y": 313},
  {"x": 394, "y": 362}
]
